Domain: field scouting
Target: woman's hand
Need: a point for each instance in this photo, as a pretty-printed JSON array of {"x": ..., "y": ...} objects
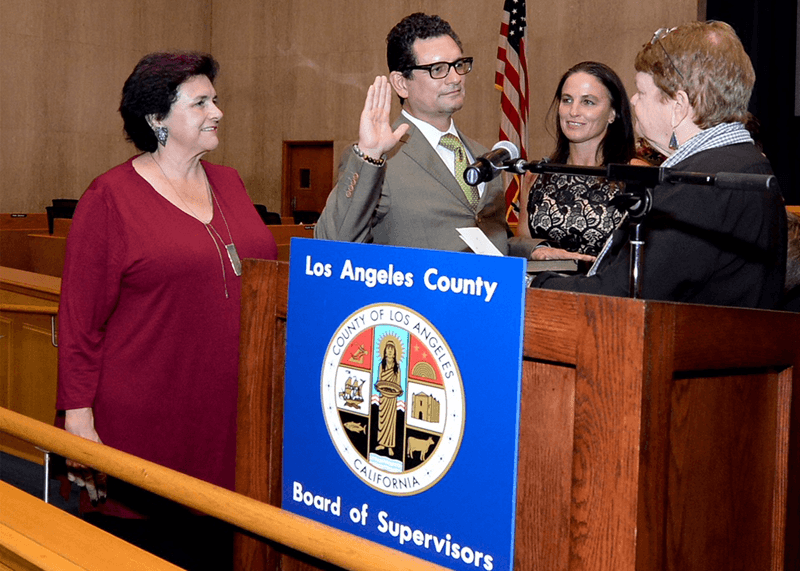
[
  {"x": 80, "y": 422},
  {"x": 548, "y": 253},
  {"x": 375, "y": 135}
]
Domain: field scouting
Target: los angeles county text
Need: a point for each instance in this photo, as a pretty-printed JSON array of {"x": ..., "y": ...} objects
[{"x": 391, "y": 276}]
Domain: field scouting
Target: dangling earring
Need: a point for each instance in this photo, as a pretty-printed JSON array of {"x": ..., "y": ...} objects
[
  {"x": 673, "y": 141},
  {"x": 161, "y": 134}
]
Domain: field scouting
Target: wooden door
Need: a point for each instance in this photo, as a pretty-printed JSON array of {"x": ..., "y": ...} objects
[{"x": 307, "y": 178}]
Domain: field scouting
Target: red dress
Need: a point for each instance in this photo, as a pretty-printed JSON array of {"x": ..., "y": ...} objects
[{"x": 147, "y": 336}]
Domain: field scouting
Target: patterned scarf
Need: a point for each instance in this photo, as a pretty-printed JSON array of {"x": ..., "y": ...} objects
[{"x": 720, "y": 135}]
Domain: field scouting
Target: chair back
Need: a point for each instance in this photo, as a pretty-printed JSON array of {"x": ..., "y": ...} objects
[
  {"x": 61, "y": 208},
  {"x": 267, "y": 216}
]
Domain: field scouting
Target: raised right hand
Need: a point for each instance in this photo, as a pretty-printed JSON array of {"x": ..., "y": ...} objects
[{"x": 375, "y": 135}]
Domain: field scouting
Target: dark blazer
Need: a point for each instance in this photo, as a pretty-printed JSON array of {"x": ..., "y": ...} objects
[
  {"x": 703, "y": 244},
  {"x": 412, "y": 201}
]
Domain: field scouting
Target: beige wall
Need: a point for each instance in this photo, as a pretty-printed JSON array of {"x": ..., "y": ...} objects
[
  {"x": 64, "y": 63},
  {"x": 290, "y": 71}
]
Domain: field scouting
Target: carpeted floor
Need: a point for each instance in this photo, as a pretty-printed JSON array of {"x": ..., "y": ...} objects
[{"x": 29, "y": 477}]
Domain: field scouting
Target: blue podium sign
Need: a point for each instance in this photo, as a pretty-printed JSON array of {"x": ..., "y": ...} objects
[{"x": 401, "y": 412}]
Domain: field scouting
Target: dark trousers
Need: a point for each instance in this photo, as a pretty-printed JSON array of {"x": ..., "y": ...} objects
[{"x": 195, "y": 543}]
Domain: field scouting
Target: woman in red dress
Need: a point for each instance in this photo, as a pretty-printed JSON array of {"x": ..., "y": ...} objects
[{"x": 149, "y": 314}]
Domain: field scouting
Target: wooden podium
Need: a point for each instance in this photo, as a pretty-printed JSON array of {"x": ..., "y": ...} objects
[{"x": 654, "y": 436}]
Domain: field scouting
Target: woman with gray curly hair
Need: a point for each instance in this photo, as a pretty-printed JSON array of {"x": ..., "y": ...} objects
[{"x": 703, "y": 244}]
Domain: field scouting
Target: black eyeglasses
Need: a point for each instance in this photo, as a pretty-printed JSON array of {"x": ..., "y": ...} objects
[
  {"x": 441, "y": 69},
  {"x": 660, "y": 33}
]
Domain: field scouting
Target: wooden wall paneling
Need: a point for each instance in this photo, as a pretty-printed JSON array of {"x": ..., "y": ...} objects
[
  {"x": 728, "y": 462},
  {"x": 28, "y": 359},
  {"x": 258, "y": 474},
  {"x": 29, "y": 364},
  {"x": 14, "y": 230},
  {"x": 284, "y": 233},
  {"x": 750, "y": 374},
  {"x": 789, "y": 482},
  {"x": 724, "y": 471},
  {"x": 28, "y": 288},
  {"x": 47, "y": 254},
  {"x": 61, "y": 226},
  {"x": 550, "y": 327},
  {"x": 654, "y": 442},
  {"x": 544, "y": 489},
  {"x": 646, "y": 441},
  {"x": 605, "y": 468},
  {"x": 260, "y": 414},
  {"x": 6, "y": 357}
]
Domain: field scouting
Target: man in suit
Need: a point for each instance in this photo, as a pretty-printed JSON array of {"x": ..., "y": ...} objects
[{"x": 400, "y": 184}]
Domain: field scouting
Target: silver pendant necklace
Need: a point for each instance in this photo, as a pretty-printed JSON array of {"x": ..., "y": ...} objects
[
  {"x": 233, "y": 255},
  {"x": 230, "y": 248}
]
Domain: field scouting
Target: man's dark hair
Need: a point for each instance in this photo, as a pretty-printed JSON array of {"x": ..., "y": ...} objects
[
  {"x": 417, "y": 26},
  {"x": 152, "y": 88}
]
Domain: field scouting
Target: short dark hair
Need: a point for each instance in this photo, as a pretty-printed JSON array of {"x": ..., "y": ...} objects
[
  {"x": 400, "y": 41},
  {"x": 619, "y": 144},
  {"x": 152, "y": 88}
]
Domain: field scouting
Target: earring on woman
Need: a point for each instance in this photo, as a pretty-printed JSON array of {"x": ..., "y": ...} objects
[
  {"x": 673, "y": 141},
  {"x": 161, "y": 134}
]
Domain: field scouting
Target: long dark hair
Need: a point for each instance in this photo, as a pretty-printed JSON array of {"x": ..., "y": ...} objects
[
  {"x": 396, "y": 366},
  {"x": 618, "y": 146}
]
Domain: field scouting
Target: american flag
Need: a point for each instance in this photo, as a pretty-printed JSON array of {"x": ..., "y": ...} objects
[{"x": 512, "y": 80}]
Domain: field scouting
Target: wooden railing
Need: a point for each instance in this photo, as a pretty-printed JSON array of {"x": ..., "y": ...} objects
[
  {"x": 319, "y": 541},
  {"x": 19, "y": 308},
  {"x": 36, "y": 310}
]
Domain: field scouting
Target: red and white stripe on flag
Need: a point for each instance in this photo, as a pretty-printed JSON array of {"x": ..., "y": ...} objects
[{"x": 512, "y": 80}]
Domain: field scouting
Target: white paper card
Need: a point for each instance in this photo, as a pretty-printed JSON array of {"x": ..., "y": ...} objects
[{"x": 478, "y": 241}]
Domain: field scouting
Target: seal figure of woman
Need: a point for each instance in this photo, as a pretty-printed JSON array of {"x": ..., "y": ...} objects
[{"x": 390, "y": 388}]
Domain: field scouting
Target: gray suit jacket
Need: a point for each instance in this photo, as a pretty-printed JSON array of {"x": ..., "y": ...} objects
[{"x": 412, "y": 201}]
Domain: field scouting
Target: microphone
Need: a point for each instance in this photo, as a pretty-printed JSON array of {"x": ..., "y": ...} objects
[
  {"x": 746, "y": 181},
  {"x": 725, "y": 180},
  {"x": 488, "y": 165}
]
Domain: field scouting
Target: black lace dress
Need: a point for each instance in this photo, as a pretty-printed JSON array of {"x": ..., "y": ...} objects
[{"x": 572, "y": 211}]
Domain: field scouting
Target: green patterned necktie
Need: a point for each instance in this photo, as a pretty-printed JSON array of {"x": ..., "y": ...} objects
[{"x": 450, "y": 141}]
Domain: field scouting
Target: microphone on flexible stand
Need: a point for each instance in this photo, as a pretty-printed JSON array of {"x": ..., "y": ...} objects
[{"x": 489, "y": 165}]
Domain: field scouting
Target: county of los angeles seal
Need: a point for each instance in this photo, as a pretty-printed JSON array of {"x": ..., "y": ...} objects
[{"x": 393, "y": 399}]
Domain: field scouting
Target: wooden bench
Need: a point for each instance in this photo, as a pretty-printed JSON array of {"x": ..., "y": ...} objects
[
  {"x": 28, "y": 306},
  {"x": 283, "y": 234},
  {"x": 36, "y": 535},
  {"x": 14, "y": 231},
  {"x": 26, "y": 244},
  {"x": 338, "y": 548},
  {"x": 43, "y": 253}
]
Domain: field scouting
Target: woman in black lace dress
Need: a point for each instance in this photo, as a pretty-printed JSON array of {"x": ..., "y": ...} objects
[{"x": 569, "y": 216}]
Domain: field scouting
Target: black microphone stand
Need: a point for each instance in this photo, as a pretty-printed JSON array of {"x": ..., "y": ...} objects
[{"x": 637, "y": 200}]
